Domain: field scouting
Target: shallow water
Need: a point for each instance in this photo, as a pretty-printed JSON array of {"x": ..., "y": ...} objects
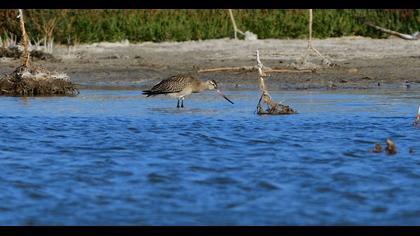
[{"x": 117, "y": 158}]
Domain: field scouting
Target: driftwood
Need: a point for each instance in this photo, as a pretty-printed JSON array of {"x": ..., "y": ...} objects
[
  {"x": 415, "y": 36},
  {"x": 235, "y": 28},
  {"x": 273, "y": 108},
  {"x": 303, "y": 63},
  {"x": 26, "y": 55},
  {"x": 253, "y": 68},
  {"x": 31, "y": 80}
]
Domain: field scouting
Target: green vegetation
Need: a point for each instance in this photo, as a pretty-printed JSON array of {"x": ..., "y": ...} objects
[{"x": 85, "y": 26}]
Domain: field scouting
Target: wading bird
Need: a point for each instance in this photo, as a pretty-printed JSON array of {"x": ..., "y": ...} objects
[{"x": 180, "y": 86}]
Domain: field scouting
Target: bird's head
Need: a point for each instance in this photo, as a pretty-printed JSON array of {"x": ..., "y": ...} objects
[{"x": 211, "y": 84}]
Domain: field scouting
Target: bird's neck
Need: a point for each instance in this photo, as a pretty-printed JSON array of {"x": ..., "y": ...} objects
[{"x": 202, "y": 86}]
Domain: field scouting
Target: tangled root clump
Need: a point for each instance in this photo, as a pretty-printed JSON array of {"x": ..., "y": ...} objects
[
  {"x": 277, "y": 109},
  {"x": 36, "y": 81},
  {"x": 273, "y": 108}
]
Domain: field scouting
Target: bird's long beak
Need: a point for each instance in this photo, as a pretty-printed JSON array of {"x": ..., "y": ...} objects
[{"x": 224, "y": 96}]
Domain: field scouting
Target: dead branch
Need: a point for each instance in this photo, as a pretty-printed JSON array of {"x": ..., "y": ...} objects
[
  {"x": 26, "y": 54},
  {"x": 288, "y": 71},
  {"x": 415, "y": 36},
  {"x": 310, "y": 48},
  {"x": 235, "y": 28},
  {"x": 239, "y": 68},
  {"x": 273, "y": 108},
  {"x": 253, "y": 68}
]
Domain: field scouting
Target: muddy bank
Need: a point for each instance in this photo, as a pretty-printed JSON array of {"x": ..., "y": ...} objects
[
  {"x": 15, "y": 53},
  {"x": 363, "y": 63}
]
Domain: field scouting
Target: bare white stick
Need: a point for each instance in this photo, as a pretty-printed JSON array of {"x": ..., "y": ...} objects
[
  {"x": 260, "y": 72},
  {"x": 259, "y": 63},
  {"x": 310, "y": 47},
  {"x": 251, "y": 68},
  {"x": 273, "y": 108},
  {"x": 310, "y": 28},
  {"x": 235, "y": 28}
]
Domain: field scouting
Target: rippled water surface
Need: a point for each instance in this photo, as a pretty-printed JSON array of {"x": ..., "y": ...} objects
[{"x": 117, "y": 158}]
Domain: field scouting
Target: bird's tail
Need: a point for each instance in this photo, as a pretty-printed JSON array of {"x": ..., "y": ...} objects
[{"x": 149, "y": 93}]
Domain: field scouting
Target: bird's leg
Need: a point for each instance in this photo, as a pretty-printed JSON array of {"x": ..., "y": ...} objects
[
  {"x": 182, "y": 102},
  {"x": 177, "y": 105}
]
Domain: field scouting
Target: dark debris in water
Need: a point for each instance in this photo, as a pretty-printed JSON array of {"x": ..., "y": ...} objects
[
  {"x": 378, "y": 148},
  {"x": 273, "y": 108},
  {"x": 277, "y": 109},
  {"x": 390, "y": 148}
]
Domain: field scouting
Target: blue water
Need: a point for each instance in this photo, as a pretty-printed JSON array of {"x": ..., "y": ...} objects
[{"x": 117, "y": 158}]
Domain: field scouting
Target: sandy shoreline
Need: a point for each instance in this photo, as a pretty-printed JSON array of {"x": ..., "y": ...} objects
[{"x": 363, "y": 62}]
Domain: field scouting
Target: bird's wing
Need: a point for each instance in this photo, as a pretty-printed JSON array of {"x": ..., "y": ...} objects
[{"x": 172, "y": 84}]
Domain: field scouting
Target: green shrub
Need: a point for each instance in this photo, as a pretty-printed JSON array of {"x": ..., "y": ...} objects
[{"x": 86, "y": 26}]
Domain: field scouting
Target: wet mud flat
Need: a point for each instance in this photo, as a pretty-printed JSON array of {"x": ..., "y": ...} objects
[{"x": 362, "y": 63}]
